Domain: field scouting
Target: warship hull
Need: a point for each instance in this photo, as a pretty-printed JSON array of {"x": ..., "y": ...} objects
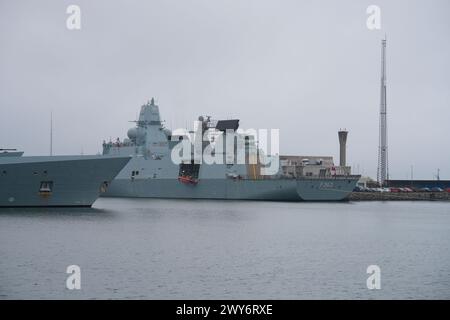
[
  {"x": 331, "y": 189},
  {"x": 215, "y": 161},
  {"x": 57, "y": 181}
]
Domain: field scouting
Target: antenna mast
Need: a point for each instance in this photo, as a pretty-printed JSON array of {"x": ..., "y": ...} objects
[{"x": 383, "y": 171}]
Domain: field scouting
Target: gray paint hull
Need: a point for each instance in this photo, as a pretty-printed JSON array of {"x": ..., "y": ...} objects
[
  {"x": 243, "y": 189},
  {"x": 77, "y": 180},
  {"x": 157, "y": 165}
]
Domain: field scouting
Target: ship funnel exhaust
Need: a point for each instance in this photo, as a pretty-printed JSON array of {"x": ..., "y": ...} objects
[{"x": 342, "y": 147}]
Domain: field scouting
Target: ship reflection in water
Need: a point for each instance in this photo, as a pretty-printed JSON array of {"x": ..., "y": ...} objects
[{"x": 203, "y": 249}]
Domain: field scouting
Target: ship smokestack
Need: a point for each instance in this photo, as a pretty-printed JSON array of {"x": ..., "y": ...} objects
[{"x": 342, "y": 147}]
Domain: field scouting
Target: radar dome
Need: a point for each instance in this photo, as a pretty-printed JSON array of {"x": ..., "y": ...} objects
[
  {"x": 136, "y": 135},
  {"x": 132, "y": 133}
]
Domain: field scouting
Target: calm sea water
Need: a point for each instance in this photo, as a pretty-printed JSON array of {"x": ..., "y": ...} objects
[{"x": 177, "y": 249}]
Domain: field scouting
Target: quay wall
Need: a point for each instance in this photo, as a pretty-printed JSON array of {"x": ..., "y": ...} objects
[{"x": 399, "y": 196}]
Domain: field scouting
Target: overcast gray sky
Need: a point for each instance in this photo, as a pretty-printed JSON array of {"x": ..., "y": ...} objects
[{"x": 305, "y": 67}]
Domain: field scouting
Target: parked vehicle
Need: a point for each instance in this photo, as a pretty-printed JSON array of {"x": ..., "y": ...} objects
[
  {"x": 425, "y": 189},
  {"x": 437, "y": 189},
  {"x": 395, "y": 190}
]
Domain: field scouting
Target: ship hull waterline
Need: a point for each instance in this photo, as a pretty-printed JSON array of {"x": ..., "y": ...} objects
[{"x": 235, "y": 189}]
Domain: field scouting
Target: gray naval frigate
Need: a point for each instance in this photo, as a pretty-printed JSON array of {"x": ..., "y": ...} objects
[
  {"x": 55, "y": 181},
  {"x": 153, "y": 173}
]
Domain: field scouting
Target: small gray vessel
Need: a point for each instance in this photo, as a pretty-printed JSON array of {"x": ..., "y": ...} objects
[
  {"x": 55, "y": 181},
  {"x": 152, "y": 172}
]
